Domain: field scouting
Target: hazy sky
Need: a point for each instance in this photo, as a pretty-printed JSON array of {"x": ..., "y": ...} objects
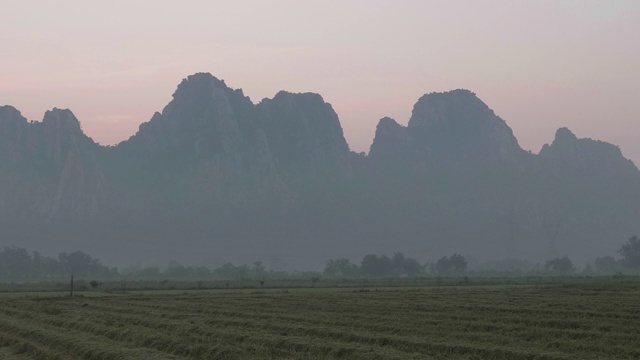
[{"x": 539, "y": 64}]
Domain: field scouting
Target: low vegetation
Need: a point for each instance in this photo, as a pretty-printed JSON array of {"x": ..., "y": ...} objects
[
  {"x": 575, "y": 320},
  {"x": 19, "y": 265}
]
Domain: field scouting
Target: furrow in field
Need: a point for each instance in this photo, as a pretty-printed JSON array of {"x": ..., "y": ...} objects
[
  {"x": 301, "y": 341},
  {"x": 69, "y": 343},
  {"x": 209, "y": 346},
  {"x": 246, "y": 329},
  {"x": 502, "y": 324},
  {"x": 527, "y": 323}
]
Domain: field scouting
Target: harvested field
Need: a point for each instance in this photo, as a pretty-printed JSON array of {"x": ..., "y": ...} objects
[{"x": 585, "y": 321}]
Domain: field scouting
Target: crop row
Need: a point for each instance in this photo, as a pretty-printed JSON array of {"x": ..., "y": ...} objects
[{"x": 459, "y": 323}]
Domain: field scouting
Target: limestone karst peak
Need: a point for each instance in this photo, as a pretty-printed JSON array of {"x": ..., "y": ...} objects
[
  {"x": 564, "y": 134},
  {"x": 61, "y": 118}
]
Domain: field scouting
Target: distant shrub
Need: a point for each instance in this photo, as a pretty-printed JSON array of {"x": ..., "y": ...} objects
[{"x": 561, "y": 266}]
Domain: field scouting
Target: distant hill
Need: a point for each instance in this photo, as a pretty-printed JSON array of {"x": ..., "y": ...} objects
[{"x": 215, "y": 177}]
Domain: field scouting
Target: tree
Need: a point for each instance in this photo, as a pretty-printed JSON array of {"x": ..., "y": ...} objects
[
  {"x": 15, "y": 263},
  {"x": 630, "y": 253},
  {"x": 202, "y": 272},
  {"x": 340, "y": 268},
  {"x": 402, "y": 265},
  {"x": 82, "y": 264},
  {"x": 37, "y": 266},
  {"x": 375, "y": 266},
  {"x": 561, "y": 266},
  {"x": 456, "y": 263},
  {"x": 18, "y": 264},
  {"x": 150, "y": 272},
  {"x": 229, "y": 271},
  {"x": 177, "y": 271},
  {"x": 443, "y": 265},
  {"x": 258, "y": 270}
]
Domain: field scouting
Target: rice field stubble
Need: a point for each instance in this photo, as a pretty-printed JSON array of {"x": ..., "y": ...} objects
[{"x": 528, "y": 322}]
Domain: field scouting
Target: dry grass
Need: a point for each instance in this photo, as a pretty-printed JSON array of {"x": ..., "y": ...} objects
[{"x": 583, "y": 321}]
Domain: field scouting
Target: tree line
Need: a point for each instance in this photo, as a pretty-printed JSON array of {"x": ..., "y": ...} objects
[
  {"x": 629, "y": 261},
  {"x": 18, "y": 264},
  {"x": 395, "y": 266},
  {"x": 227, "y": 271}
]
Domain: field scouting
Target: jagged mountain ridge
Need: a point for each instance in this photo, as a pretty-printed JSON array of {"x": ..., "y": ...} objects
[
  {"x": 48, "y": 168},
  {"x": 449, "y": 130},
  {"x": 280, "y": 174},
  {"x": 224, "y": 148}
]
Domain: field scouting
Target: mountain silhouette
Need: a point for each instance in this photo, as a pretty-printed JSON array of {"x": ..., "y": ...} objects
[{"x": 215, "y": 177}]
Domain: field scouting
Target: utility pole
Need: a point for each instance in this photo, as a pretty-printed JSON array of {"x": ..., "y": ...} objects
[
  {"x": 71, "y": 292},
  {"x": 552, "y": 229}
]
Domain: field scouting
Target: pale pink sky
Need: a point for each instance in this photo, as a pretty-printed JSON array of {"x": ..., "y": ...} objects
[{"x": 539, "y": 64}]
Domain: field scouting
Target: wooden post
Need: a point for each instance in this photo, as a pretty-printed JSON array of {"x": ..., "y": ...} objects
[{"x": 71, "y": 293}]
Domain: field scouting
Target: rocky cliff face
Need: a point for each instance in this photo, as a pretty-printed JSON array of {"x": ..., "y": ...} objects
[
  {"x": 207, "y": 143},
  {"x": 305, "y": 138},
  {"x": 452, "y": 131},
  {"x": 585, "y": 157},
  {"x": 456, "y": 126},
  {"x": 393, "y": 150},
  {"x": 211, "y": 145},
  {"x": 587, "y": 175},
  {"x": 48, "y": 169}
]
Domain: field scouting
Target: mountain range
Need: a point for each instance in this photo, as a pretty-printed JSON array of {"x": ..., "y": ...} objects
[{"x": 215, "y": 177}]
